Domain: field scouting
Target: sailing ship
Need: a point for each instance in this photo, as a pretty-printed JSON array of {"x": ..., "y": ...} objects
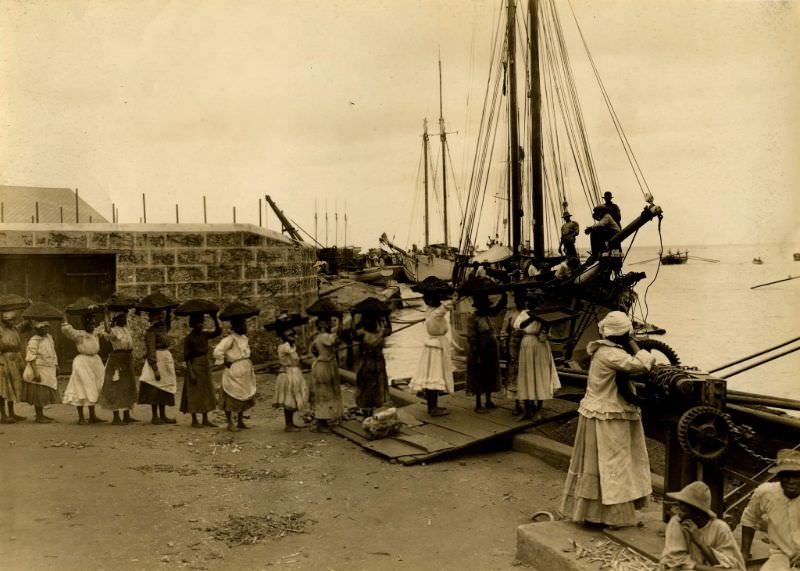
[
  {"x": 432, "y": 259},
  {"x": 696, "y": 426},
  {"x": 758, "y": 261},
  {"x": 674, "y": 258}
]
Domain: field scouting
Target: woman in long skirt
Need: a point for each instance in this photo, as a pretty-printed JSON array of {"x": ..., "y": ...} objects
[
  {"x": 291, "y": 389},
  {"x": 512, "y": 338},
  {"x": 42, "y": 388},
  {"x": 372, "y": 382},
  {"x": 239, "y": 378},
  {"x": 119, "y": 384},
  {"x": 325, "y": 376},
  {"x": 537, "y": 377},
  {"x": 198, "y": 395},
  {"x": 86, "y": 380},
  {"x": 158, "y": 379},
  {"x": 609, "y": 474},
  {"x": 483, "y": 356},
  {"x": 11, "y": 366}
]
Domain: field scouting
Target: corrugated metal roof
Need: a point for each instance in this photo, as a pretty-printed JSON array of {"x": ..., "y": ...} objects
[{"x": 19, "y": 205}]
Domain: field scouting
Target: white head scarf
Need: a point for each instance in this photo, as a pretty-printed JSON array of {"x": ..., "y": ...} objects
[
  {"x": 39, "y": 324},
  {"x": 9, "y": 315},
  {"x": 614, "y": 324}
]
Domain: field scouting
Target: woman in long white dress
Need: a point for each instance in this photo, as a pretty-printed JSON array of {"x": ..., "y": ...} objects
[
  {"x": 238, "y": 378},
  {"x": 159, "y": 383},
  {"x": 88, "y": 372},
  {"x": 537, "y": 377},
  {"x": 609, "y": 473}
]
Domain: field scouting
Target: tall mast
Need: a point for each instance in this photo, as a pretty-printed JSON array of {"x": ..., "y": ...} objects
[
  {"x": 425, "y": 159},
  {"x": 443, "y": 137},
  {"x": 516, "y": 183},
  {"x": 536, "y": 132}
]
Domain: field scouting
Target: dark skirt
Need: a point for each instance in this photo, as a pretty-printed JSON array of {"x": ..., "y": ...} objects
[
  {"x": 230, "y": 404},
  {"x": 198, "y": 395},
  {"x": 372, "y": 382},
  {"x": 148, "y": 394},
  {"x": 119, "y": 394},
  {"x": 36, "y": 394},
  {"x": 483, "y": 366}
]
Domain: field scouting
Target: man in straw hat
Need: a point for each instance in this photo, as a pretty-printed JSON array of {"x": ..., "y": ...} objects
[
  {"x": 569, "y": 232},
  {"x": 695, "y": 538},
  {"x": 775, "y": 508}
]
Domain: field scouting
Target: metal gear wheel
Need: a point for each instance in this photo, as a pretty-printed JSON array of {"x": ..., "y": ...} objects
[{"x": 705, "y": 432}]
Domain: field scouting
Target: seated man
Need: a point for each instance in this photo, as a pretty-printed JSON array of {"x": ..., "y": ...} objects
[
  {"x": 695, "y": 538},
  {"x": 775, "y": 508},
  {"x": 601, "y": 231}
]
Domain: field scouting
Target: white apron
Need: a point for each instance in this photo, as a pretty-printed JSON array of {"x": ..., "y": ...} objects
[
  {"x": 239, "y": 380},
  {"x": 166, "y": 369}
]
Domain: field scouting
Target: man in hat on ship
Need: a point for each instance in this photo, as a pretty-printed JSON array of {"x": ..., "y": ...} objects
[
  {"x": 775, "y": 509},
  {"x": 569, "y": 232},
  {"x": 695, "y": 538},
  {"x": 612, "y": 208}
]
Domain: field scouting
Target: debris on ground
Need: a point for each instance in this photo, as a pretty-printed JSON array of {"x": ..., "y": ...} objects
[
  {"x": 612, "y": 555},
  {"x": 166, "y": 468},
  {"x": 247, "y": 474},
  {"x": 251, "y": 529},
  {"x": 66, "y": 444}
]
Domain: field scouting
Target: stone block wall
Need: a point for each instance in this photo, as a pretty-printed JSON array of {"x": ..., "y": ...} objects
[{"x": 219, "y": 262}]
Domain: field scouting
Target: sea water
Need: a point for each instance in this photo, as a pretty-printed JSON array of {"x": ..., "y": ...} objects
[{"x": 711, "y": 315}]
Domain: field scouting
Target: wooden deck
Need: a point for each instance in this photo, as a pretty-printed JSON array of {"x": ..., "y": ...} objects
[{"x": 424, "y": 438}]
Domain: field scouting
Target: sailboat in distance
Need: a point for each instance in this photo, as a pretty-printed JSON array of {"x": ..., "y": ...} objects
[{"x": 435, "y": 260}]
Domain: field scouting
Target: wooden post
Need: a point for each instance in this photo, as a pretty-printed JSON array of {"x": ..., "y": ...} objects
[
  {"x": 234, "y": 215},
  {"x": 61, "y": 208},
  {"x": 113, "y": 213},
  {"x": 77, "y": 218},
  {"x": 3, "y": 212},
  {"x": 37, "y": 211},
  {"x": 177, "y": 215},
  {"x": 144, "y": 209},
  {"x": 90, "y": 219},
  {"x": 205, "y": 217},
  {"x": 259, "y": 213}
]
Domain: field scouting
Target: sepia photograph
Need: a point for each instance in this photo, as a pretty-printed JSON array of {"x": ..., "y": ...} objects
[{"x": 425, "y": 285}]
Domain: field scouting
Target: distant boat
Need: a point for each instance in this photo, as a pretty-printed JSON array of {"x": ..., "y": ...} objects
[
  {"x": 797, "y": 256},
  {"x": 673, "y": 258},
  {"x": 373, "y": 275},
  {"x": 758, "y": 261}
]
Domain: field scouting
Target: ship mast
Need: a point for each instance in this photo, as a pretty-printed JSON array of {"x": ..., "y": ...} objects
[
  {"x": 425, "y": 159},
  {"x": 443, "y": 137},
  {"x": 516, "y": 182},
  {"x": 536, "y": 132}
]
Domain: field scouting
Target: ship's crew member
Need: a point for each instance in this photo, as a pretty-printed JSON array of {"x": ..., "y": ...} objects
[
  {"x": 326, "y": 386},
  {"x": 42, "y": 388},
  {"x": 537, "y": 377},
  {"x": 86, "y": 380},
  {"x": 291, "y": 388},
  {"x": 158, "y": 379},
  {"x": 775, "y": 509},
  {"x": 601, "y": 231},
  {"x": 483, "y": 355},
  {"x": 12, "y": 365},
  {"x": 569, "y": 232},
  {"x": 612, "y": 208},
  {"x": 238, "y": 378},
  {"x": 609, "y": 473},
  {"x": 695, "y": 538},
  {"x": 198, "y": 395},
  {"x": 434, "y": 372},
  {"x": 119, "y": 385}
]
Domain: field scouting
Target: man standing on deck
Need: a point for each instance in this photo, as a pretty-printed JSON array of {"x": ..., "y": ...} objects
[
  {"x": 612, "y": 208},
  {"x": 775, "y": 508},
  {"x": 569, "y": 231}
]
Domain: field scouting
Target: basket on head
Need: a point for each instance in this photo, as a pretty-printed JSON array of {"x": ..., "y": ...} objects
[
  {"x": 197, "y": 306},
  {"x": 286, "y": 321},
  {"x": 433, "y": 285},
  {"x": 479, "y": 285},
  {"x": 371, "y": 306},
  {"x": 12, "y": 302},
  {"x": 238, "y": 310},
  {"x": 325, "y": 307},
  {"x": 121, "y": 302},
  {"x": 41, "y": 311},
  {"x": 84, "y": 305},
  {"x": 155, "y": 302}
]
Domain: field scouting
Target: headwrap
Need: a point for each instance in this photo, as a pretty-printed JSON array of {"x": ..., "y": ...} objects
[
  {"x": 615, "y": 324},
  {"x": 9, "y": 315},
  {"x": 39, "y": 324}
]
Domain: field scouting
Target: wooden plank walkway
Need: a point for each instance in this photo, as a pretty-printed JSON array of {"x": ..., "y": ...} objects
[{"x": 424, "y": 438}]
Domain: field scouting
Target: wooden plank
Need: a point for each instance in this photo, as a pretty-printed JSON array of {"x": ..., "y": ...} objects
[
  {"x": 407, "y": 418},
  {"x": 424, "y": 442},
  {"x": 456, "y": 439},
  {"x": 392, "y": 448}
]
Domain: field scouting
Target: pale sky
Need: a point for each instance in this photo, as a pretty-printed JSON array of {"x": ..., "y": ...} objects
[{"x": 324, "y": 101}]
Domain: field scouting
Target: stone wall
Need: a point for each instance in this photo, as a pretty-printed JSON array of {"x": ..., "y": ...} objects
[{"x": 219, "y": 262}]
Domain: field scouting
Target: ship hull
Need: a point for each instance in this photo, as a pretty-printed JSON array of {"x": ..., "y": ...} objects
[{"x": 417, "y": 267}]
